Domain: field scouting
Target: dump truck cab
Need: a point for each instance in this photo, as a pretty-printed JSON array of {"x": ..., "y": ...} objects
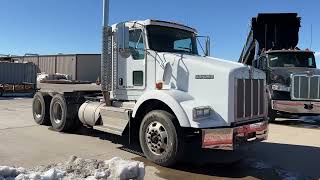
[{"x": 292, "y": 77}]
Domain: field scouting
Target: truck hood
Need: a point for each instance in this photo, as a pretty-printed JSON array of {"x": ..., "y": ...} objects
[
  {"x": 207, "y": 81},
  {"x": 221, "y": 64},
  {"x": 282, "y": 75}
]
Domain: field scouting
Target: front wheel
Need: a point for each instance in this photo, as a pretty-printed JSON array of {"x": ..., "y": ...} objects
[{"x": 160, "y": 139}]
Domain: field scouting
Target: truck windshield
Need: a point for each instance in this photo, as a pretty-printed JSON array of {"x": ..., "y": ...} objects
[
  {"x": 167, "y": 39},
  {"x": 292, "y": 59}
]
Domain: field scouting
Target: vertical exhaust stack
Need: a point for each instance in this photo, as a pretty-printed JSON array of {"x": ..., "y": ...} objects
[{"x": 105, "y": 59}]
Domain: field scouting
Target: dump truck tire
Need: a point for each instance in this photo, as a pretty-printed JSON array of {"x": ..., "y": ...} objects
[
  {"x": 62, "y": 115},
  {"x": 160, "y": 139},
  {"x": 40, "y": 109}
]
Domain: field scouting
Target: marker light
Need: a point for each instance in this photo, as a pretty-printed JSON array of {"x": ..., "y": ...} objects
[{"x": 159, "y": 85}]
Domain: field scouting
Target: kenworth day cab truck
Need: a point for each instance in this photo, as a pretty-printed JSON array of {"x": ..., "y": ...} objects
[
  {"x": 293, "y": 82},
  {"x": 156, "y": 87}
]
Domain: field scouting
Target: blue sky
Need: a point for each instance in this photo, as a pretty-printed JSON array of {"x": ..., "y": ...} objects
[{"x": 74, "y": 26}]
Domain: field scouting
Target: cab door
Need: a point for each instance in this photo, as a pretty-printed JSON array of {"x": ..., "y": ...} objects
[{"x": 131, "y": 69}]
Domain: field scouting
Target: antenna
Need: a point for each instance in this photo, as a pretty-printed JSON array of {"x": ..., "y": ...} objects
[{"x": 311, "y": 38}]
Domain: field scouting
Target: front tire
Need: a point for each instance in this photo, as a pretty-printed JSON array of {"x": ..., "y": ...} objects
[{"x": 160, "y": 139}]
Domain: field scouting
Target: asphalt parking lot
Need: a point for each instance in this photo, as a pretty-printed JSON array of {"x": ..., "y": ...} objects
[{"x": 292, "y": 150}]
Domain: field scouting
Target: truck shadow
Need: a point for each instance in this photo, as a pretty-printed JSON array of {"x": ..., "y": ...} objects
[
  {"x": 262, "y": 160},
  {"x": 312, "y": 123},
  {"x": 13, "y": 96},
  {"x": 129, "y": 145}
]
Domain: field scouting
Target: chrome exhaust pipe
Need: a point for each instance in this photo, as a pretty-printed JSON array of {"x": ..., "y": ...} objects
[{"x": 105, "y": 60}]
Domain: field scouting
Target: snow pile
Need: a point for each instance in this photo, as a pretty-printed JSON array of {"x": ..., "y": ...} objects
[
  {"x": 56, "y": 76},
  {"x": 78, "y": 168},
  {"x": 42, "y": 76},
  {"x": 7, "y": 172}
]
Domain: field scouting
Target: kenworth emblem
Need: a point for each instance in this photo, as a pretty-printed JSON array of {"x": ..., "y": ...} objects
[{"x": 209, "y": 76}]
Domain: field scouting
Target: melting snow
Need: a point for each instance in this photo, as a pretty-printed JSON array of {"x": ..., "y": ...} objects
[{"x": 78, "y": 168}]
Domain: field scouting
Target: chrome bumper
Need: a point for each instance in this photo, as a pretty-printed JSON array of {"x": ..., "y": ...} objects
[
  {"x": 298, "y": 107},
  {"x": 231, "y": 138}
]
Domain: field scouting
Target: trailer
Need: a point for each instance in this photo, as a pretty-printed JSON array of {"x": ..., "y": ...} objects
[
  {"x": 159, "y": 91},
  {"x": 293, "y": 81},
  {"x": 17, "y": 77}
]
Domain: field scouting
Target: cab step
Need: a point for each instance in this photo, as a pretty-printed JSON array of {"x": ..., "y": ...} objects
[{"x": 114, "y": 119}]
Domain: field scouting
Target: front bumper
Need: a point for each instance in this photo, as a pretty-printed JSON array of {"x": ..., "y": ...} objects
[
  {"x": 296, "y": 107},
  {"x": 231, "y": 138}
]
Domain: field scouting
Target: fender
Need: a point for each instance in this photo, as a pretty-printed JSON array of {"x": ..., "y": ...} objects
[{"x": 171, "y": 98}]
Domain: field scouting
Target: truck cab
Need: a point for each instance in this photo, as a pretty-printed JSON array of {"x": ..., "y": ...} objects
[{"x": 165, "y": 93}]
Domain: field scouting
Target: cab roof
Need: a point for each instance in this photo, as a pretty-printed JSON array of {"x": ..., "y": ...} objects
[{"x": 166, "y": 23}]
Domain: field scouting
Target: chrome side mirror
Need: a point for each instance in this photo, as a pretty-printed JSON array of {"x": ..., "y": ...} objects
[{"x": 204, "y": 40}]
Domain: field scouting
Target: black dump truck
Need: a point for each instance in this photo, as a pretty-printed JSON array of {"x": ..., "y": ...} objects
[{"x": 293, "y": 82}]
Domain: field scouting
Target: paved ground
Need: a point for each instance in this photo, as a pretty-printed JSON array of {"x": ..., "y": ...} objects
[{"x": 293, "y": 149}]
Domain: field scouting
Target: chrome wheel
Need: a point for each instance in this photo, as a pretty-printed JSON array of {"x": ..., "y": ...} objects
[
  {"x": 157, "y": 138},
  {"x": 57, "y": 113}
]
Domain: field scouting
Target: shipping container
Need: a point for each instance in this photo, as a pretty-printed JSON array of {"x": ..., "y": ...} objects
[{"x": 17, "y": 77}]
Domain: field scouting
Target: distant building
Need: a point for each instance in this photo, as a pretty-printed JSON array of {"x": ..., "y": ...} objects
[{"x": 83, "y": 67}]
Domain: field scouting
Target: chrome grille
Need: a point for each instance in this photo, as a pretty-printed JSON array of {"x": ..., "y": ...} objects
[
  {"x": 305, "y": 87},
  {"x": 250, "y": 99}
]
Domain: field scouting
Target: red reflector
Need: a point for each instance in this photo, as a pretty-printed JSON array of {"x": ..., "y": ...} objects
[{"x": 159, "y": 85}]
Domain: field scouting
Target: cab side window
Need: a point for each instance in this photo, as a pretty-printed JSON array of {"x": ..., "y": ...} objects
[{"x": 136, "y": 44}]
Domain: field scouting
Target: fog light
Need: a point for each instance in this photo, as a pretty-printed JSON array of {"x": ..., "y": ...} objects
[{"x": 201, "y": 112}]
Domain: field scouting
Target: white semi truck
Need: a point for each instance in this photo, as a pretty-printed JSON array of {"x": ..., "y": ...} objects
[{"x": 156, "y": 87}]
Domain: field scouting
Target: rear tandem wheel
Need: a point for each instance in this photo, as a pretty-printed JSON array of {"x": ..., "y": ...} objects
[{"x": 63, "y": 115}]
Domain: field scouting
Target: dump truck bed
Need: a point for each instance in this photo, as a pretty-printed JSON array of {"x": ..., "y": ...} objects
[{"x": 271, "y": 31}]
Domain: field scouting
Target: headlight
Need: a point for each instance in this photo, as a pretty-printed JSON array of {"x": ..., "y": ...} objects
[
  {"x": 201, "y": 112},
  {"x": 280, "y": 87}
]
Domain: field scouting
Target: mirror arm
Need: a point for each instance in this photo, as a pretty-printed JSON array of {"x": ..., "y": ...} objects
[{"x": 208, "y": 46}]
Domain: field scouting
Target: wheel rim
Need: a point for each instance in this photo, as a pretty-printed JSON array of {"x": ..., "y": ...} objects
[
  {"x": 157, "y": 138},
  {"x": 57, "y": 113},
  {"x": 37, "y": 108}
]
